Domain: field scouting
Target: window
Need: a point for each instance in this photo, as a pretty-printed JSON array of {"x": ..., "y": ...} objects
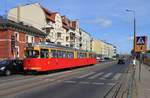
[
  {"x": 59, "y": 54},
  {"x": 63, "y": 54},
  {"x": 32, "y": 39},
  {"x": 67, "y": 38},
  {"x": 40, "y": 39},
  {"x": 70, "y": 55},
  {"x": 54, "y": 53},
  {"x": 27, "y": 39},
  {"x": 44, "y": 53},
  {"x": 16, "y": 34},
  {"x": 91, "y": 55},
  {"x": 58, "y": 35},
  {"x": 82, "y": 55},
  {"x": 32, "y": 53},
  {"x": 58, "y": 43}
]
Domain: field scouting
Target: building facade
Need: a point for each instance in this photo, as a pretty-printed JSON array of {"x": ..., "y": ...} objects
[
  {"x": 60, "y": 29},
  {"x": 103, "y": 49},
  {"x": 15, "y": 37},
  {"x": 85, "y": 40}
]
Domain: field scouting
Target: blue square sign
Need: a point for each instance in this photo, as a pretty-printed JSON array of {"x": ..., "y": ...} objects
[{"x": 140, "y": 40}]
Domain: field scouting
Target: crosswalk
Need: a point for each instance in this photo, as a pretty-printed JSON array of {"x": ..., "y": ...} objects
[
  {"x": 101, "y": 76},
  {"x": 96, "y": 79}
]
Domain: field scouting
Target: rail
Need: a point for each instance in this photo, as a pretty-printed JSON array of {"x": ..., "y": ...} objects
[{"x": 124, "y": 87}]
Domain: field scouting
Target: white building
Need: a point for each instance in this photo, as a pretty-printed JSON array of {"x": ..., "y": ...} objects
[
  {"x": 85, "y": 40},
  {"x": 103, "y": 49},
  {"x": 59, "y": 29}
]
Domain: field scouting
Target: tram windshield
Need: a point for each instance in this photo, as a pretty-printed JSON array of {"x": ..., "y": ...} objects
[{"x": 32, "y": 53}]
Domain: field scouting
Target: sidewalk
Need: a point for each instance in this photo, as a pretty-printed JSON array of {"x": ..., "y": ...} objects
[{"x": 143, "y": 86}]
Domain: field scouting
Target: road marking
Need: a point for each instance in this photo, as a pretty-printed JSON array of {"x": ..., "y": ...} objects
[
  {"x": 96, "y": 83},
  {"x": 116, "y": 76},
  {"x": 70, "y": 81},
  {"x": 110, "y": 84},
  {"x": 102, "y": 78},
  {"x": 107, "y": 75},
  {"x": 95, "y": 76},
  {"x": 83, "y": 82},
  {"x": 85, "y": 75}
]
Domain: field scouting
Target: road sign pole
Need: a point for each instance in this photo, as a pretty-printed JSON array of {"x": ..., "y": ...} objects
[{"x": 140, "y": 63}]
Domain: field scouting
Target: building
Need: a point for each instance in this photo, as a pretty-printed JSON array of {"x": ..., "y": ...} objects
[
  {"x": 60, "y": 29},
  {"x": 103, "y": 49},
  {"x": 85, "y": 40},
  {"x": 14, "y": 37},
  {"x": 98, "y": 47}
]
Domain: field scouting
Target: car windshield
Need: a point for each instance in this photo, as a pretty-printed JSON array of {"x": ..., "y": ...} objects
[{"x": 5, "y": 62}]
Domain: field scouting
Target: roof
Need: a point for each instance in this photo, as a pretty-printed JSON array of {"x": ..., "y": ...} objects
[
  {"x": 20, "y": 27},
  {"x": 85, "y": 31},
  {"x": 49, "y": 15},
  {"x": 53, "y": 45}
]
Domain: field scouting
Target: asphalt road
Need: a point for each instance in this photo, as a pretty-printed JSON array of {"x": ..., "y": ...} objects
[{"x": 88, "y": 82}]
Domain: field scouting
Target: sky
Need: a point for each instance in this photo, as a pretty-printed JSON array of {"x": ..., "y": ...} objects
[{"x": 103, "y": 19}]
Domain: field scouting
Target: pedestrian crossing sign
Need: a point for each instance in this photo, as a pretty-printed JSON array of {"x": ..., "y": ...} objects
[
  {"x": 140, "y": 40},
  {"x": 141, "y": 44}
]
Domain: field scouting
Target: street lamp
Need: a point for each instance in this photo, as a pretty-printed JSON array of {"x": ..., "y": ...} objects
[{"x": 134, "y": 41}]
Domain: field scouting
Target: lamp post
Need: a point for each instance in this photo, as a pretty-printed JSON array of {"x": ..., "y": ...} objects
[{"x": 134, "y": 41}]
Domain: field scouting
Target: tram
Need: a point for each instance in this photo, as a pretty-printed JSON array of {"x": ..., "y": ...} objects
[{"x": 41, "y": 57}]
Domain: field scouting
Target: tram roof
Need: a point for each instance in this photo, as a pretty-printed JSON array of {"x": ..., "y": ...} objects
[{"x": 52, "y": 45}]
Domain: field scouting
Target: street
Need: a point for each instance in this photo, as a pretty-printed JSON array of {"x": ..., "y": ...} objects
[{"x": 88, "y": 82}]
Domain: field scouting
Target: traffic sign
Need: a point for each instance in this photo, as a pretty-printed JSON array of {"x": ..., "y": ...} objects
[
  {"x": 141, "y": 44},
  {"x": 140, "y": 40}
]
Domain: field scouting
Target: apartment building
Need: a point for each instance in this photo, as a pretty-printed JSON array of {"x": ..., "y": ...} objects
[
  {"x": 60, "y": 29},
  {"x": 103, "y": 49},
  {"x": 85, "y": 40}
]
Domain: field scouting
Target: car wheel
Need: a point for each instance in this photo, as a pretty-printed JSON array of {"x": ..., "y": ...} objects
[{"x": 7, "y": 72}]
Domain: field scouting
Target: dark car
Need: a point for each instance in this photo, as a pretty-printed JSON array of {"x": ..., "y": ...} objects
[
  {"x": 8, "y": 67},
  {"x": 121, "y": 61}
]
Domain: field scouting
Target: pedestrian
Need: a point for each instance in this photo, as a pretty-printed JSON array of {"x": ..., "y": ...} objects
[{"x": 134, "y": 62}]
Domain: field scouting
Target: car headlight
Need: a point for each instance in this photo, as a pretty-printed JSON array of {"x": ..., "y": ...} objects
[{"x": 2, "y": 68}]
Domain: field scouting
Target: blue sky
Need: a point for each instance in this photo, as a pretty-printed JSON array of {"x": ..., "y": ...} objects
[{"x": 103, "y": 19}]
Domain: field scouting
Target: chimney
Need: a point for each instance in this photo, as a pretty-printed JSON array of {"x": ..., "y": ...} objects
[{"x": 18, "y": 13}]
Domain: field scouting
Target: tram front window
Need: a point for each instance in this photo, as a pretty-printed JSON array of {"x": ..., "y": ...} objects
[{"x": 32, "y": 54}]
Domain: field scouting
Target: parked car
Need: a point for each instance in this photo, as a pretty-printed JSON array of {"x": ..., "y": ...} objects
[
  {"x": 8, "y": 67},
  {"x": 121, "y": 61}
]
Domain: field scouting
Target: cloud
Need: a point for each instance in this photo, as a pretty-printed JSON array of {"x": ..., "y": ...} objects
[{"x": 102, "y": 21}]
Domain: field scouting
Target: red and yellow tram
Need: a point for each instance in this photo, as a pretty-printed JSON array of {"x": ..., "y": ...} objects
[{"x": 42, "y": 57}]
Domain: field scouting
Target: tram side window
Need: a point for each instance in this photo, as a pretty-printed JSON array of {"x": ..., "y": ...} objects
[
  {"x": 32, "y": 53},
  {"x": 82, "y": 55},
  {"x": 44, "y": 53},
  {"x": 79, "y": 55},
  {"x": 59, "y": 54},
  {"x": 54, "y": 54},
  {"x": 70, "y": 55},
  {"x": 63, "y": 54},
  {"x": 94, "y": 55},
  {"x": 90, "y": 55}
]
